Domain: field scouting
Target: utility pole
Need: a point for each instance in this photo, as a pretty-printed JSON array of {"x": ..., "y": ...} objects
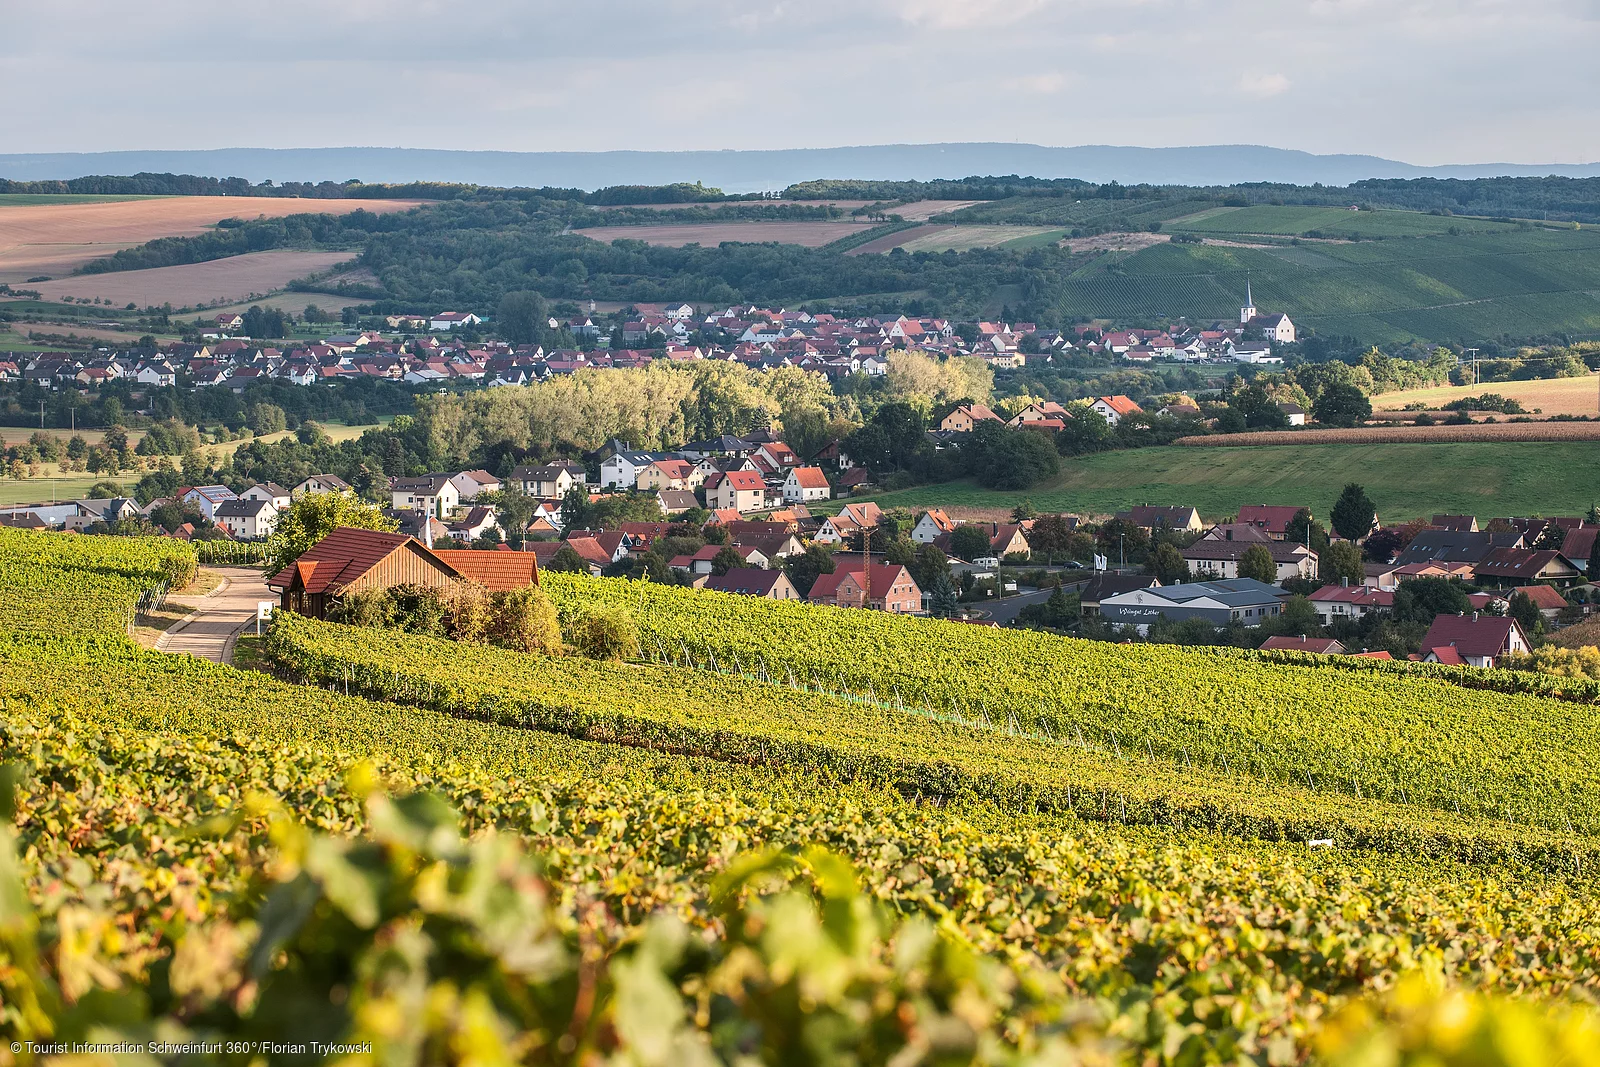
[
  {"x": 41, "y": 414},
  {"x": 1473, "y": 352}
]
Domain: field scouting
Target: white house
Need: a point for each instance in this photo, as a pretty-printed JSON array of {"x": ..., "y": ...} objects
[
  {"x": 743, "y": 490},
  {"x": 1115, "y": 408},
  {"x": 321, "y": 483},
  {"x": 621, "y": 471},
  {"x": 208, "y": 497},
  {"x": 450, "y": 320},
  {"x": 806, "y": 484},
  {"x": 435, "y": 494},
  {"x": 933, "y": 523},
  {"x": 271, "y": 492},
  {"x": 549, "y": 481},
  {"x": 158, "y": 374},
  {"x": 470, "y": 483},
  {"x": 1214, "y": 558},
  {"x": 247, "y": 519}
]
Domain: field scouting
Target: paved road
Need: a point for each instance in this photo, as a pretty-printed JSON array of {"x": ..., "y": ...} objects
[
  {"x": 219, "y": 617},
  {"x": 1006, "y": 611}
]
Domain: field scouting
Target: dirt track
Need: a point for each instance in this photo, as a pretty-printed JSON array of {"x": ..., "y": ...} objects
[{"x": 55, "y": 239}]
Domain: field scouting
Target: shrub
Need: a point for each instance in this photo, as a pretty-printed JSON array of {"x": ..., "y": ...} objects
[
  {"x": 525, "y": 620},
  {"x": 369, "y": 607},
  {"x": 179, "y": 569},
  {"x": 605, "y": 633}
]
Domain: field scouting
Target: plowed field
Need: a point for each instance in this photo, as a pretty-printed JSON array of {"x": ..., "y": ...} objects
[
  {"x": 55, "y": 239},
  {"x": 192, "y": 284},
  {"x": 709, "y": 234}
]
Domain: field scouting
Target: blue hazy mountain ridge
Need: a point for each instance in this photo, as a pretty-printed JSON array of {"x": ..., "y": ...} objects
[{"x": 767, "y": 169}]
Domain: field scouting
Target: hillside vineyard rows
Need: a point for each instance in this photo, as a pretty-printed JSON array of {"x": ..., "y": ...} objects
[
  {"x": 1416, "y": 737},
  {"x": 1186, "y": 946}
]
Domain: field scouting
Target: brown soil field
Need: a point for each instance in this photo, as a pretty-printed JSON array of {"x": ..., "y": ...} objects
[
  {"x": 193, "y": 284},
  {"x": 710, "y": 234},
  {"x": 846, "y": 205},
  {"x": 55, "y": 239},
  {"x": 1395, "y": 435}
]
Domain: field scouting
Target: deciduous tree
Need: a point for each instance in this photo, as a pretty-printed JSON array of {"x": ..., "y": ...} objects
[{"x": 1257, "y": 563}]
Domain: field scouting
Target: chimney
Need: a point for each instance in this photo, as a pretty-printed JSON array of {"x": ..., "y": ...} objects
[{"x": 1474, "y": 616}]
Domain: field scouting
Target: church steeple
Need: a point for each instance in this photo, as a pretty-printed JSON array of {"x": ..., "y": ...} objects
[{"x": 1247, "y": 312}]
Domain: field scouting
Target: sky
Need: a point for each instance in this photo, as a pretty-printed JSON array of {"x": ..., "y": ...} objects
[{"x": 1425, "y": 81}]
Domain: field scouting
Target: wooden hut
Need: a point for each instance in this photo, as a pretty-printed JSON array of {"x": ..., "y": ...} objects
[{"x": 349, "y": 561}]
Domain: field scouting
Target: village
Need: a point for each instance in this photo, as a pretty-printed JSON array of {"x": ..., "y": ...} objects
[
  {"x": 427, "y": 350},
  {"x": 748, "y": 516}
]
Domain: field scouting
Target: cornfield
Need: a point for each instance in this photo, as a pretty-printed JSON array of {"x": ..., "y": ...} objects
[{"x": 1400, "y": 435}]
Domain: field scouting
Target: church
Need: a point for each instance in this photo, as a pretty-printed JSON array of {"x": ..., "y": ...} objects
[{"x": 1276, "y": 327}]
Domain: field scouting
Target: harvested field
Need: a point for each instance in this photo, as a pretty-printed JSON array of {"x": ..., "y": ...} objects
[
  {"x": 710, "y": 234},
  {"x": 843, "y": 205},
  {"x": 1399, "y": 435},
  {"x": 1115, "y": 242},
  {"x": 923, "y": 210},
  {"x": 965, "y": 238},
  {"x": 218, "y": 281},
  {"x": 941, "y": 237},
  {"x": 890, "y": 241},
  {"x": 55, "y": 239},
  {"x": 1551, "y": 396}
]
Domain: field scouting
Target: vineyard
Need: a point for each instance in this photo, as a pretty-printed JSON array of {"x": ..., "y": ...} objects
[
  {"x": 1050, "y": 766},
  {"x": 1521, "y": 283},
  {"x": 1396, "y": 733},
  {"x": 982, "y": 906}
]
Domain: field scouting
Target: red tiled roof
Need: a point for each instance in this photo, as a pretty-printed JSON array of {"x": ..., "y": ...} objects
[
  {"x": 1365, "y": 596},
  {"x": 751, "y": 581},
  {"x": 1516, "y": 563},
  {"x": 1545, "y": 597},
  {"x": 1271, "y": 517},
  {"x": 745, "y": 480},
  {"x": 590, "y": 549},
  {"x": 344, "y": 556},
  {"x": 810, "y": 478},
  {"x": 1324, "y": 646},
  {"x": 1122, "y": 405},
  {"x": 884, "y": 576},
  {"x": 1579, "y": 543},
  {"x": 1486, "y": 635},
  {"x": 495, "y": 570}
]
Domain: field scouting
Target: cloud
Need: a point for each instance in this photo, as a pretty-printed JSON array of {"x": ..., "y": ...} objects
[
  {"x": 1039, "y": 84},
  {"x": 1431, "y": 81},
  {"x": 964, "y": 14},
  {"x": 1264, "y": 86}
]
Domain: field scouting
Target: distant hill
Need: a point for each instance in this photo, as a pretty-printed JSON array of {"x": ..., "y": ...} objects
[{"x": 754, "y": 171}]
